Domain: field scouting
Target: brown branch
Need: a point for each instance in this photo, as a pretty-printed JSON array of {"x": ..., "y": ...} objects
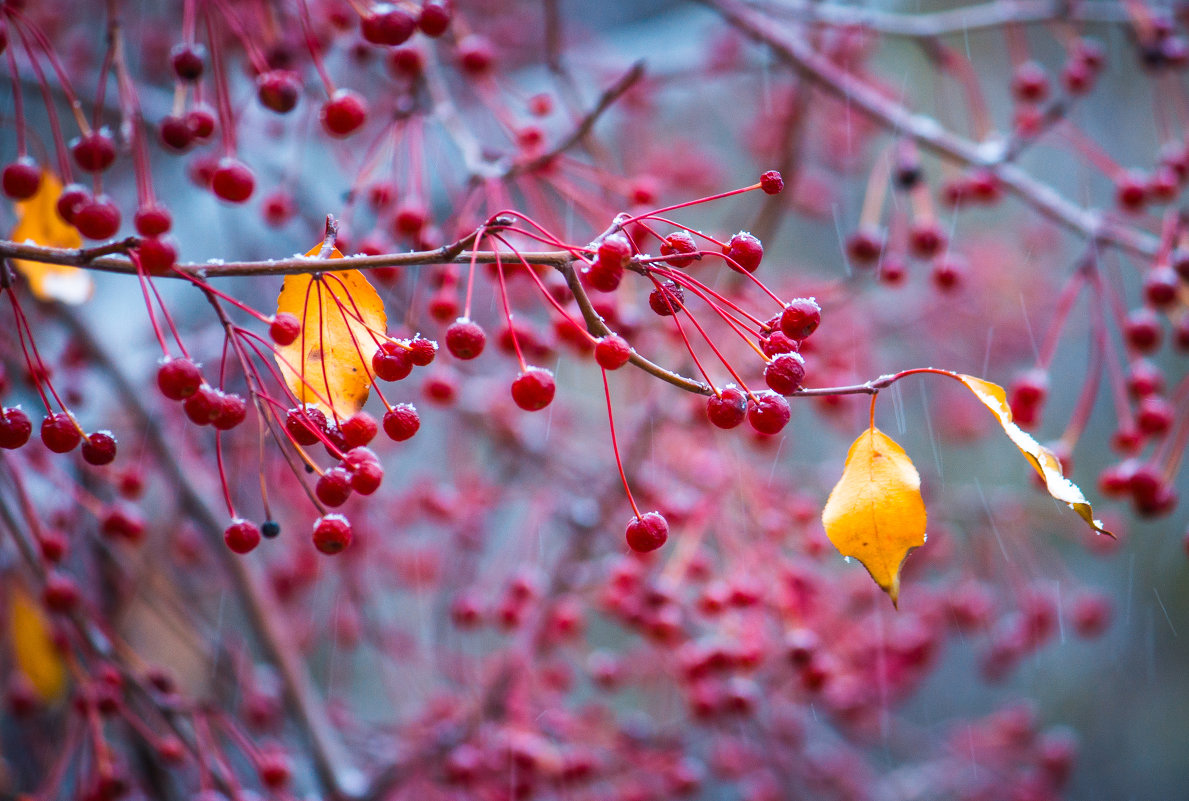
[{"x": 865, "y": 99}]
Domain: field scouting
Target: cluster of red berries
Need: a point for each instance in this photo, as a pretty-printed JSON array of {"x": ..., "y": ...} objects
[
  {"x": 181, "y": 380},
  {"x": 59, "y": 432}
]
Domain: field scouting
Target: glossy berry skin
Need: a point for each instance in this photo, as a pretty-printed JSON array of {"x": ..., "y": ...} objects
[
  {"x": 95, "y": 151},
  {"x": 769, "y": 413},
  {"x": 603, "y": 276},
  {"x": 647, "y": 532},
  {"x": 800, "y": 318},
  {"x": 612, "y": 352},
  {"x": 304, "y": 427},
  {"x": 771, "y": 182},
  {"x": 534, "y": 389},
  {"x": 677, "y": 243},
  {"x": 728, "y": 408},
  {"x": 60, "y": 433},
  {"x": 864, "y": 247},
  {"x": 367, "y": 477},
  {"x": 435, "y": 17},
  {"x": 232, "y": 181},
  {"x": 278, "y": 90},
  {"x": 99, "y": 448},
  {"x": 402, "y": 422},
  {"x": 343, "y": 113},
  {"x": 359, "y": 429},
  {"x": 231, "y": 411},
  {"x": 1142, "y": 330},
  {"x": 615, "y": 251},
  {"x": 71, "y": 200},
  {"x": 388, "y": 25},
  {"x": 270, "y": 529},
  {"x": 152, "y": 220},
  {"x": 284, "y": 329},
  {"x": 392, "y": 362},
  {"x": 203, "y": 406},
  {"x": 745, "y": 250},
  {"x": 157, "y": 254},
  {"x": 667, "y": 299},
  {"x": 422, "y": 351},
  {"x": 178, "y": 379},
  {"x": 333, "y": 488},
  {"x": 176, "y": 133},
  {"x": 97, "y": 218},
  {"x": 241, "y": 536},
  {"x": 785, "y": 374},
  {"x": 21, "y": 179},
  {"x": 15, "y": 428},
  {"x": 1161, "y": 286},
  {"x": 465, "y": 339},
  {"x": 201, "y": 122},
  {"x": 332, "y": 534},
  {"x": 1155, "y": 416}
]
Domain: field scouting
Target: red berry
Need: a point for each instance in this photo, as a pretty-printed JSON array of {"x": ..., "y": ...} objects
[
  {"x": 22, "y": 178},
  {"x": 1091, "y": 614},
  {"x": 435, "y": 17},
  {"x": 201, "y": 122},
  {"x": 343, "y": 113},
  {"x": 232, "y": 181},
  {"x": 1030, "y": 83},
  {"x": 366, "y": 477},
  {"x": 188, "y": 61},
  {"x": 231, "y": 411},
  {"x": 926, "y": 239},
  {"x": 647, "y": 532},
  {"x": 241, "y": 536},
  {"x": 465, "y": 339},
  {"x": 786, "y": 373},
  {"x": 278, "y": 90},
  {"x": 1029, "y": 389},
  {"x": 176, "y": 133},
  {"x": 1131, "y": 191},
  {"x": 681, "y": 242},
  {"x": 947, "y": 273},
  {"x": 604, "y": 276},
  {"x": 94, "y": 152},
  {"x": 745, "y": 250},
  {"x": 1161, "y": 286},
  {"x": 304, "y": 424},
  {"x": 800, "y": 318},
  {"x": 771, "y": 182},
  {"x": 152, "y": 220},
  {"x": 392, "y": 362},
  {"x": 476, "y": 55},
  {"x": 157, "y": 254},
  {"x": 15, "y": 428},
  {"x": 864, "y": 247},
  {"x": 411, "y": 216},
  {"x": 359, "y": 429},
  {"x": 768, "y": 413},
  {"x": 533, "y": 389},
  {"x": 203, "y": 406},
  {"x": 777, "y": 343},
  {"x": 667, "y": 299},
  {"x": 99, "y": 448},
  {"x": 97, "y": 218},
  {"x": 1155, "y": 416},
  {"x": 615, "y": 251},
  {"x": 612, "y": 352},
  {"x": 402, "y": 422},
  {"x": 728, "y": 408},
  {"x": 60, "y": 592},
  {"x": 284, "y": 329},
  {"x": 333, "y": 488},
  {"x": 1142, "y": 330},
  {"x": 72, "y": 198},
  {"x": 1144, "y": 379},
  {"x": 406, "y": 62},
  {"x": 178, "y": 379},
  {"x": 278, "y": 208},
  {"x": 388, "y": 24},
  {"x": 60, "y": 433},
  {"x": 332, "y": 533}
]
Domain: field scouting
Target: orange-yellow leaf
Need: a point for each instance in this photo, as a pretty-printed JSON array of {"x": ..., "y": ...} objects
[
  {"x": 33, "y": 647},
  {"x": 38, "y": 222},
  {"x": 343, "y": 320},
  {"x": 875, "y": 512},
  {"x": 1040, "y": 457}
]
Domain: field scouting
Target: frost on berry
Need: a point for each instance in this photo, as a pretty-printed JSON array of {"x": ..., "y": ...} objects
[{"x": 647, "y": 532}]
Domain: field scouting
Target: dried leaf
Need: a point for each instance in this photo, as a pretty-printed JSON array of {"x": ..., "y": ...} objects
[
  {"x": 875, "y": 512},
  {"x": 341, "y": 314},
  {"x": 33, "y": 648},
  {"x": 1040, "y": 457},
  {"x": 38, "y": 221}
]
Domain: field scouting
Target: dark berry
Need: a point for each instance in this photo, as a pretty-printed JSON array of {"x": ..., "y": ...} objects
[
  {"x": 612, "y": 352},
  {"x": 1161, "y": 286},
  {"x": 401, "y": 422},
  {"x": 533, "y": 389},
  {"x": 188, "y": 61},
  {"x": 176, "y": 133},
  {"x": 241, "y": 536},
  {"x": 388, "y": 24},
  {"x": 60, "y": 433},
  {"x": 745, "y": 250},
  {"x": 278, "y": 90},
  {"x": 465, "y": 339},
  {"x": 178, "y": 379},
  {"x": 21, "y": 178},
  {"x": 1131, "y": 191},
  {"x": 728, "y": 408},
  {"x": 771, "y": 182},
  {"x": 800, "y": 318},
  {"x": 667, "y": 299},
  {"x": 785, "y": 374},
  {"x": 332, "y": 534},
  {"x": 647, "y": 532},
  {"x": 15, "y": 428},
  {"x": 678, "y": 243},
  {"x": 270, "y": 529},
  {"x": 99, "y": 448},
  {"x": 284, "y": 329}
]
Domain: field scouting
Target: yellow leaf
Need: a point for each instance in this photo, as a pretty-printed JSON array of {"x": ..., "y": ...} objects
[
  {"x": 33, "y": 647},
  {"x": 38, "y": 221},
  {"x": 343, "y": 319},
  {"x": 1040, "y": 457},
  {"x": 875, "y": 512}
]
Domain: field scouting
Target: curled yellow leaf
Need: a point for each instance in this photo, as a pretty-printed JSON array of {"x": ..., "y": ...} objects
[
  {"x": 342, "y": 321},
  {"x": 875, "y": 512},
  {"x": 33, "y": 648},
  {"x": 1041, "y": 458},
  {"x": 38, "y": 221}
]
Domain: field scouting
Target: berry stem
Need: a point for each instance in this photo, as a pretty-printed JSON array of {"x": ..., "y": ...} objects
[{"x": 615, "y": 446}]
